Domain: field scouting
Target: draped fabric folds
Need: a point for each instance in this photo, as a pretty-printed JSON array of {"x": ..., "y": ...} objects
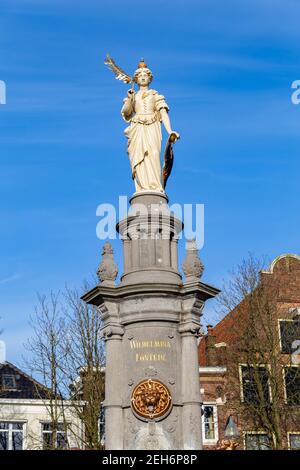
[{"x": 144, "y": 141}]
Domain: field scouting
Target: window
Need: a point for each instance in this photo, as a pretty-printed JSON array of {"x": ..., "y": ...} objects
[
  {"x": 209, "y": 424},
  {"x": 9, "y": 382},
  {"x": 255, "y": 384},
  {"x": 292, "y": 385},
  {"x": 294, "y": 440},
  {"x": 289, "y": 332},
  {"x": 11, "y": 436},
  {"x": 257, "y": 441},
  {"x": 48, "y": 435}
]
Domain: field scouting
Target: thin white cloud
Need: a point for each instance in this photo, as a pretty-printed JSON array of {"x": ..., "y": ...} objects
[{"x": 12, "y": 278}]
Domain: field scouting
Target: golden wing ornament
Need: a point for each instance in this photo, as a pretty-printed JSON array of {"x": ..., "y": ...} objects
[{"x": 118, "y": 72}]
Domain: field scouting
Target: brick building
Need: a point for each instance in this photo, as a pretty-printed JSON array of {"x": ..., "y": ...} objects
[{"x": 250, "y": 364}]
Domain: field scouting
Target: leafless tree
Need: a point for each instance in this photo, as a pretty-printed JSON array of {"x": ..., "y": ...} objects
[
  {"x": 255, "y": 363},
  {"x": 67, "y": 355},
  {"x": 46, "y": 354},
  {"x": 84, "y": 365}
]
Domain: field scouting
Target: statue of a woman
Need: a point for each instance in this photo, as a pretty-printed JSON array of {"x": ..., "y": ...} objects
[{"x": 145, "y": 110}]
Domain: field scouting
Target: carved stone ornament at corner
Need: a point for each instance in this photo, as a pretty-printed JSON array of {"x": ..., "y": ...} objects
[
  {"x": 172, "y": 425},
  {"x": 150, "y": 371},
  {"x": 189, "y": 328},
  {"x": 108, "y": 270},
  {"x": 112, "y": 330},
  {"x": 192, "y": 265}
]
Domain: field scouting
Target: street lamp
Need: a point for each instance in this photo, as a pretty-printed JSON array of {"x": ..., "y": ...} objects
[
  {"x": 231, "y": 435},
  {"x": 231, "y": 430}
]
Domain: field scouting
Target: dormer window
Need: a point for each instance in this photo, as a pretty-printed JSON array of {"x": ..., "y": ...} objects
[{"x": 9, "y": 382}]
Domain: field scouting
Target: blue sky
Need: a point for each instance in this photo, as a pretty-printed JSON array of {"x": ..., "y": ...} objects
[{"x": 226, "y": 70}]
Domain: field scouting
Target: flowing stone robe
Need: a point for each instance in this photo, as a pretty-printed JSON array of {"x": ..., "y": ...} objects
[{"x": 144, "y": 139}]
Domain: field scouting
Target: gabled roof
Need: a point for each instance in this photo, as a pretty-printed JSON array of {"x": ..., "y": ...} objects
[
  {"x": 26, "y": 386},
  {"x": 285, "y": 256}
]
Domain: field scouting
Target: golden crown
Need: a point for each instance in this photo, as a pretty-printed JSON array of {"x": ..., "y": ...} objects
[{"x": 142, "y": 64}]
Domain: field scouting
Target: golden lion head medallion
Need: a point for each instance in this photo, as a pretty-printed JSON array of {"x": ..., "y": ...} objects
[{"x": 151, "y": 399}]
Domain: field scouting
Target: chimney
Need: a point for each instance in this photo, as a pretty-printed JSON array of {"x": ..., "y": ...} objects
[
  {"x": 210, "y": 330},
  {"x": 210, "y": 349}
]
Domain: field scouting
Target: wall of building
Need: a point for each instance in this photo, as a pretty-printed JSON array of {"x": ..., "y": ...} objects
[{"x": 33, "y": 413}]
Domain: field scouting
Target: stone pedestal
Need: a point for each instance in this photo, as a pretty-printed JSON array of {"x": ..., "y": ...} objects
[{"x": 151, "y": 322}]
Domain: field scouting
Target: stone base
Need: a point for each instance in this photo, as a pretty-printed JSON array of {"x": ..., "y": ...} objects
[{"x": 151, "y": 322}]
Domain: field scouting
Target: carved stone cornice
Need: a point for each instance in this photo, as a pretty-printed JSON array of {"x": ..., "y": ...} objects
[
  {"x": 200, "y": 289},
  {"x": 132, "y": 225},
  {"x": 101, "y": 294}
]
